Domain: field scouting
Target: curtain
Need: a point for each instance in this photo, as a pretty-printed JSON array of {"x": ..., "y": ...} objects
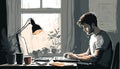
[
  {"x": 81, "y": 39},
  {"x": 12, "y": 25},
  {"x": 12, "y": 11},
  {"x": 70, "y": 27},
  {"x": 3, "y": 30}
]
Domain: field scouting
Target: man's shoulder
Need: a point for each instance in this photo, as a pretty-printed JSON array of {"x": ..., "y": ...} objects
[{"x": 103, "y": 34}]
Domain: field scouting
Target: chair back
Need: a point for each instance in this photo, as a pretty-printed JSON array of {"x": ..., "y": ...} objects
[{"x": 115, "y": 60}]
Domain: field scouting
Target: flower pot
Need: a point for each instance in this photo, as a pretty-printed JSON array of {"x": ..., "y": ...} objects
[
  {"x": 10, "y": 58},
  {"x": 54, "y": 50}
]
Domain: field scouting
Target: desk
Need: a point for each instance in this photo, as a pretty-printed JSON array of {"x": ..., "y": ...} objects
[
  {"x": 39, "y": 65},
  {"x": 8, "y": 66}
]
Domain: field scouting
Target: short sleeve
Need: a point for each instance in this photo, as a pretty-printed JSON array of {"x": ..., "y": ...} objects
[{"x": 99, "y": 43}]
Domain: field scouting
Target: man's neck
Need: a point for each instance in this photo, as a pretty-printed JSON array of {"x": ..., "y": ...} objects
[{"x": 96, "y": 30}]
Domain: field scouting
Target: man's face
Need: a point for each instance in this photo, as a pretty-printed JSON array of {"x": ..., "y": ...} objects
[{"x": 87, "y": 28}]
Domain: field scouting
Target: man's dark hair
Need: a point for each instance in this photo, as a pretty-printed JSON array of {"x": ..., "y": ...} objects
[{"x": 88, "y": 18}]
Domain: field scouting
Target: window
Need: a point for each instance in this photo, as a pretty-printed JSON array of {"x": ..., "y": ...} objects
[{"x": 53, "y": 16}]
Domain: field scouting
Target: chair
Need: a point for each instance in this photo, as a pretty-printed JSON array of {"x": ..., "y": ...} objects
[{"x": 115, "y": 60}]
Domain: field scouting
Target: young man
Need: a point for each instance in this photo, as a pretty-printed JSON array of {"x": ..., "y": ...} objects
[{"x": 100, "y": 46}]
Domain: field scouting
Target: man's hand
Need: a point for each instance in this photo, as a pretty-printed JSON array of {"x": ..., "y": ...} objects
[{"x": 71, "y": 55}]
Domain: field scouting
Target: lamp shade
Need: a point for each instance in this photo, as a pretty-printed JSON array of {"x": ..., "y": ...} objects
[{"x": 36, "y": 29}]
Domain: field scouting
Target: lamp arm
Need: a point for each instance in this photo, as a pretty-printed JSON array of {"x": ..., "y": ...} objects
[
  {"x": 18, "y": 32},
  {"x": 18, "y": 43},
  {"x": 21, "y": 29}
]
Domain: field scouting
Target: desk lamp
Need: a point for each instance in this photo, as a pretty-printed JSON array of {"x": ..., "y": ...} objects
[{"x": 36, "y": 29}]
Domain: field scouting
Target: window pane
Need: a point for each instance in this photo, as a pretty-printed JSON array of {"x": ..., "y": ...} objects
[
  {"x": 30, "y": 4},
  {"x": 51, "y": 3},
  {"x": 49, "y": 38}
]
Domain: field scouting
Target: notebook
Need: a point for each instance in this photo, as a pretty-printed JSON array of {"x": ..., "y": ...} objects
[
  {"x": 43, "y": 59},
  {"x": 63, "y": 59}
]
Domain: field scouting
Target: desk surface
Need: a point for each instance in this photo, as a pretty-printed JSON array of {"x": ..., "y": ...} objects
[
  {"x": 44, "y": 64},
  {"x": 36, "y": 66},
  {"x": 41, "y": 64}
]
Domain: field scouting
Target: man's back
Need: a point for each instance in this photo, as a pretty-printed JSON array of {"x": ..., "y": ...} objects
[{"x": 102, "y": 42}]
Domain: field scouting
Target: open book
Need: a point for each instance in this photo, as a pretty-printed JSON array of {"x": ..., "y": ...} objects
[{"x": 63, "y": 59}]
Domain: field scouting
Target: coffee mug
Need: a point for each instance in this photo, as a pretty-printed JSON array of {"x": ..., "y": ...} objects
[
  {"x": 19, "y": 58},
  {"x": 27, "y": 59}
]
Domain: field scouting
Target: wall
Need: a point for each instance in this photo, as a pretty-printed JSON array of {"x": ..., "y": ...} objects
[
  {"x": 107, "y": 15},
  {"x": 3, "y": 25}
]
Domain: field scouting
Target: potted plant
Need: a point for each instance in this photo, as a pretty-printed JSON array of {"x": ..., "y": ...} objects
[
  {"x": 55, "y": 36},
  {"x": 8, "y": 48},
  {"x": 53, "y": 49},
  {"x": 11, "y": 51},
  {"x": 45, "y": 50}
]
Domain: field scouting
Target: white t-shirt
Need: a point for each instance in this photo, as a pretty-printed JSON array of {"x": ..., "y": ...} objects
[
  {"x": 101, "y": 41},
  {"x": 95, "y": 42}
]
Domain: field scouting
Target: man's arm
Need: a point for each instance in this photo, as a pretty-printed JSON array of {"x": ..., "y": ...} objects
[
  {"x": 72, "y": 55},
  {"x": 84, "y": 54},
  {"x": 85, "y": 57}
]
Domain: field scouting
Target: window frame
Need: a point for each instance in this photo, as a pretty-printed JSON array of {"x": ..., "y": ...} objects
[{"x": 66, "y": 16}]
